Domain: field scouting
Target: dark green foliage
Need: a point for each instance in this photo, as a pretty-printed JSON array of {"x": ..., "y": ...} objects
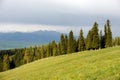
[
  {"x": 81, "y": 42},
  {"x": 55, "y": 51},
  {"x": 71, "y": 43},
  {"x": 59, "y": 49},
  {"x": 18, "y": 57},
  {"x": 62, "y": 44},
  {"x": 92, "y": 40},
  {"x": 54, "y": 48},
  {"x": 30, "y": 52},
  {"x": 95, "y": 36},
  {"x": 102, "y": 41},
  {"x": 49, "y": 50},
  {"x": 43, "y": 51},
  {"x": 1, "y": 64},
  {"x": 108, "y": 35},
  {"x": 26, "y": 56},
  {"x": 116, "y": 41},
  {"x": 105, "y": 31},
  {"x": 12, "y": 63},
  {"x": 66, "y": 43},
  {"x": 6, "y": 63},
  {"x": 89, "y": 40}
]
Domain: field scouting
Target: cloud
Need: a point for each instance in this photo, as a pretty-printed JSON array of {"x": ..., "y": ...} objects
[
  {"x": 31, "y": 28},
  {"x": 98, "y": 7},
  {"x": 40, "y": 7},
  {"x": 67, "y": 14},
  {"x": 27, "y": 28}
]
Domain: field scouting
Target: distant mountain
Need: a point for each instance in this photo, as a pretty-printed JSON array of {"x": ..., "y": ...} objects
[{"x": 19, "y": 39}]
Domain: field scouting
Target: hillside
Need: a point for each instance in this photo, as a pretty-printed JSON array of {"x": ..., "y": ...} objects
[{"x": 88, "y": 65}]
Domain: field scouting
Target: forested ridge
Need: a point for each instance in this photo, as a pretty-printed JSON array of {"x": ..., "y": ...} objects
[{"x": 96, "y": 39}]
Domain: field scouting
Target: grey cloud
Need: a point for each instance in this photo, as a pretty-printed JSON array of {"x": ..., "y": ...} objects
[{"x": 51, "y": 12}]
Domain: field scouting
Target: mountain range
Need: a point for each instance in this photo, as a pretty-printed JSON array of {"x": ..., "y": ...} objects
[{"x": 20, "y": 39}]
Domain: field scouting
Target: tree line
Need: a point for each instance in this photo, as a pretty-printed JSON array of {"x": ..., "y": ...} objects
[{"x": 94, "y": 40}]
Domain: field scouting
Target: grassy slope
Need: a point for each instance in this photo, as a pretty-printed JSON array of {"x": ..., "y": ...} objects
[{"x": 88, "y": 65}]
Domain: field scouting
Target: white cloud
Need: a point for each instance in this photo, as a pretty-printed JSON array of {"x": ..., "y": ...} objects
[
  {"x": 31, "y": 28},
  {"x": 62, "y": 29},
  {"x": 24, "y": 28}
]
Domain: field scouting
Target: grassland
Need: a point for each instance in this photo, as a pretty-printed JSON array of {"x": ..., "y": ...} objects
[{"x": 88, "y": 65}]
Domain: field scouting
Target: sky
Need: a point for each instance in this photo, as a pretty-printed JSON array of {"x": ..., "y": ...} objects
[{"x": 58, "y": 15}]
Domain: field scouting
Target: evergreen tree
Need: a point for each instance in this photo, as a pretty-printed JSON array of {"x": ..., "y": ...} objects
[
  {"x": 66, "y": 43},
  {"x": 1, "y": 64},
  {"x": 49, "y": 50},
  {"x": 42, "y": 50},
  {"x": 71, "y": 43},
  {"x": 116, "y": 41},
  {"x": 26, "y": 56},
  {"x": 89, "y": 40},
  {"x": 95, "y": 36},
  {"x": 108, "y": 35},
  {"x": 6, "y": 62},
  {"x": 77, "y": 44},
  {"x": 105, "y": 36},
  {"x": 62, "y": 44},
  {"x": 12, "y": 63},
  {"x": 102, "y": 41},
  {"x": 39, "y": 52},
  {"x": 59, "y": 49},
  {"x": 81, "y": 42},
  {"x": 55, "y": 51},
  {"x": 54, "y": 48}
]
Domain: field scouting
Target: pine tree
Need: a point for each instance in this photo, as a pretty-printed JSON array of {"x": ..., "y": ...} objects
[
  {"x": 26, "y": 56},
  {"x": 49, "y": 50},
  {"x": 71, "y": 43},
  {"x": 6, "y": 62},
  {"x": 102, "y": 41},
  {"x": 59, "y": 49},
  {"x": 117, "y": 41},
  {"x": 12, "y": 63},
  {"x": 54, "y": 48},
  {"x": 62, "y": 44},
  {"x": 108, "y": 35},
  {"x": 95, "y": 36},
  {"x": 89, "y": 40},
  {"x": 42, "y": 50},
  {"x": 66, "y": 43},
  {"x": 55, "y": 51},
  {"x": 81, "y": 42},
  {"x": 105, "y": 35}
]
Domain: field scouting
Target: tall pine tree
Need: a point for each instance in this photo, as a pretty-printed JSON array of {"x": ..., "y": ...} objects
[
  {"x": 62, "y": 43},
  {"x": 26, "y": 56},
  {"x": 6, "y": 62},
  {"x": 81, "y": 42},
  {"x": 54, "y": 48},
  {"x": 95, "y": 36},
  {"x": 108, "y": 35},
  {"x": 102, "y": 40},
  {"x": 59, "y": 48},
  {"x": 71, "y": 43},
  {"x": 88, "y": 41},
  {"x": 66, "y": 43}
]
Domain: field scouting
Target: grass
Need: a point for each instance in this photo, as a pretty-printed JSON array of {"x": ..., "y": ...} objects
[{"x": 88, "y": 65}]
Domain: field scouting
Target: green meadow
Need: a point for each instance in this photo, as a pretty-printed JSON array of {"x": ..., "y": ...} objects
[{"x": 101, "y": 64}]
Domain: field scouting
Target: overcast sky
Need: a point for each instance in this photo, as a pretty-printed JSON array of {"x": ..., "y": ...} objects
[{"x": 58, "y": 15}]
